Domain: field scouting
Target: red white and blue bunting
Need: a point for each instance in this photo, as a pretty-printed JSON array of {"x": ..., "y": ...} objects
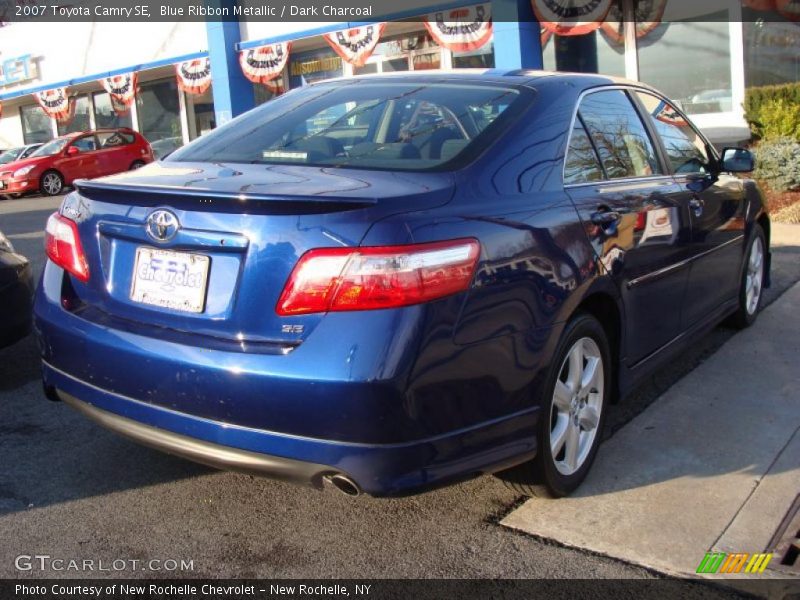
[
  {"x": 788, "y": 8},
  {"x": 356, "y": 45},
  {"x": 666, "y": 113},
  {"x": 571, "y": 17},
  {"x": 122, "y": 91},
  {"x": 194, "y": 76},
  {"x": 648, "y": 16},
  {"x": 264, "y": 63},
  {"x": 56, "y": 103},
  {"x": 461, "y": 29}
]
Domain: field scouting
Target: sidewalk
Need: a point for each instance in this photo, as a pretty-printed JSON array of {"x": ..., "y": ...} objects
[{"x": 712, "y": 465}]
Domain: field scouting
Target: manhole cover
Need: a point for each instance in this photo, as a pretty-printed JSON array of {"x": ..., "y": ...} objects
[{"x": 786, "y": 542}]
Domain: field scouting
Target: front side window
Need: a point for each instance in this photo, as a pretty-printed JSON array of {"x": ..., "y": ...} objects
[
  {"x": 85, "y": 144},
  {"x": 685, "y": 149},
  {"x": 409, "y": 125},
  {"x": 582, "y": 164},
  {"x": 618, "y": 134}
]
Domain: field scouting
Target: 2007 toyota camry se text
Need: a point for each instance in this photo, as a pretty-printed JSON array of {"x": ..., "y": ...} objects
[{"x": 392, "y": 283}]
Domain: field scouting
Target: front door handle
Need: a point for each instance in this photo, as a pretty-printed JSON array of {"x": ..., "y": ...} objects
[
  {"x": 607, "y": 220},
  {"x": 605, "y": 217},
  {"x": 696, "y": 205}
]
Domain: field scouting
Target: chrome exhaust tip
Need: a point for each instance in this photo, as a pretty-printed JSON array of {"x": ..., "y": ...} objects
[{"x": 344, "y": 484}]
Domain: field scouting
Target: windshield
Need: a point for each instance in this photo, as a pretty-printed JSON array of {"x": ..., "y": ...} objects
[
  {"x": 51, "y": 147},
  {"x": 9, "y": 155},
  {"x": 363, "y": 124}
]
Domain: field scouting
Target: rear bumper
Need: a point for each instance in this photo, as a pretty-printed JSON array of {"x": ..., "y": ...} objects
[
  {"x": 207, "y": 453},
  {"x": 377, "y": 469},
  {"x": 337, "y": 404}
]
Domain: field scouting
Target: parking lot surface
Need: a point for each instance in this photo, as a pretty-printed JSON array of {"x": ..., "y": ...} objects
[{"x": 72, "y": 490}]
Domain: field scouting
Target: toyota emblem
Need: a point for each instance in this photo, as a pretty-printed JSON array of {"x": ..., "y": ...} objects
[{"x": 162, "y": 225}]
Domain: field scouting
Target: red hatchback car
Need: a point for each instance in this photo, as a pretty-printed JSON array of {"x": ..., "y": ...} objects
[{"x": 85, "y": 155}]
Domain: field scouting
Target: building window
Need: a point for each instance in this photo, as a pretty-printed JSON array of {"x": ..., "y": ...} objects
[
  {"x": 482, "y": 58},
  {"x": 158, "y": 109},
  {"x": 407, "y": 52},
  {"x": 593, "y": 52},
  {"x": 36, "y": 125},
  {"x": 80, "y": 120},
  {"x": 690, "y": 62},
  {"x": 771, "y": 50},
  {"x": 315, "y": 65},
  {"x": 200, "y": 109},
  {"x": 106, "y": 117}
]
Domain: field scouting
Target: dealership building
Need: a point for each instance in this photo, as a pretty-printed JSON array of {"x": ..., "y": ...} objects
[{"x": 174, "y": 81}]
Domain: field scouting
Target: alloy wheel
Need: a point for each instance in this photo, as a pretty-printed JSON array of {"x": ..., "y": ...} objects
[
  {"x": 576, "y": 406},
  {"x": 755, "y": 276},
  {"x": 51, "y": 183}
]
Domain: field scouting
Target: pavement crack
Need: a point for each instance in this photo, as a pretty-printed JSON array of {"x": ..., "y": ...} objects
[{"x": 755, "y": 487}]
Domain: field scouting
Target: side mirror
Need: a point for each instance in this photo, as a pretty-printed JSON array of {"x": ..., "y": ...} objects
[
  {"x": 73, "y": 150},
  {"x": 737, "y": 160}
]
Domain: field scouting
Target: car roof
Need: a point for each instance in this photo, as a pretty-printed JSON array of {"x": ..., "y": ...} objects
[
  {"x": 531, "y": 78},
  {"x": 75, "y": 134}
]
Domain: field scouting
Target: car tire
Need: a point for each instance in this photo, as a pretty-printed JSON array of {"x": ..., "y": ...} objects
[
  {"x": 567, "y": 413},
  {"x": 137, "y": 164},
  {"x": 751, "y": 288},
  {"x": 51, "y": 183}
]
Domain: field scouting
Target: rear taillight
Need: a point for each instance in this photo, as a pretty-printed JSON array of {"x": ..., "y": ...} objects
[
  {"x": 338, "y": 279},
  {"x": 62, "y": 244}
]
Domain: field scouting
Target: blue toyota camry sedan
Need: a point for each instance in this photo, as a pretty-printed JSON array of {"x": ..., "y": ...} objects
[{"x": 385, "y": 284}]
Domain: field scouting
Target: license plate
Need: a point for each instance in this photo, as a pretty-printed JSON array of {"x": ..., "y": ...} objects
[{"x": 175, "y": 280}]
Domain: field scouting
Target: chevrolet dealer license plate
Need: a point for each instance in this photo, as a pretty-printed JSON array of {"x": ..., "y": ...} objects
[{"x": 175, "y": 280}]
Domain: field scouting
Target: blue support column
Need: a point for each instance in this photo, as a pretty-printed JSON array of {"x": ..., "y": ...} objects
[
  {"x": 233, "y": 93},
  {"x": 517, "y": 43}
]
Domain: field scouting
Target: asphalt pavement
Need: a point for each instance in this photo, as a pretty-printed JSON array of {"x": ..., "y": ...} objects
[{"x": 70, "y": 489}]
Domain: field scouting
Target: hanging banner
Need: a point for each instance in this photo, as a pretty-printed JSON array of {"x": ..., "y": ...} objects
[
  {"x": 760, "y": 4},
  {"x": 571, "y": 17},
  {"x": 275, "y": 87},
  {"x": 56, "y": 104},
  {"x": 194, "y": 76},
  {"x": 461, "y": 29},
  {"x": 789, "y": 9},
  {"x": 356, "y": 45},
  {"x": 122, "y": 91},
  {"x": 265, "y": 63},
  {"x": 648, "y": 16}
]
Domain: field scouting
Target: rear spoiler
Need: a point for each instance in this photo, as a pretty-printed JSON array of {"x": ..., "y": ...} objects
[{"x": 215, "y": 201}]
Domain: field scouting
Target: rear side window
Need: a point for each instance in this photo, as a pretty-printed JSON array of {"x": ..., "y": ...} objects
[
  {"x": 376, "y": 125},
  {"x": 685, "y": 149},
  {"x": 582, "y": 164},
  {"x": 111, "y": 139},
  {"x": 622, "y": 142}
]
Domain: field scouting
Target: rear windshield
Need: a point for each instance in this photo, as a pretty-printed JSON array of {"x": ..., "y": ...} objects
[{"x": 359, "y": 124}]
